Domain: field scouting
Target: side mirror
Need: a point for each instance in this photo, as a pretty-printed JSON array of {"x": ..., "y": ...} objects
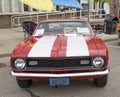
[{"x": 29, "y": 27}]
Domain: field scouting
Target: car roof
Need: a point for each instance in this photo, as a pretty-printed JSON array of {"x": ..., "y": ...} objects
[{"x": 64, "y": 19}]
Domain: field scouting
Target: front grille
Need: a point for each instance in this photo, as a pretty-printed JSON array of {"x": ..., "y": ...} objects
[{"x": 59, "y": 62}]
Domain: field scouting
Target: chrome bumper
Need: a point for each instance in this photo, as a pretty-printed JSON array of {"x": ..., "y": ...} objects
[{"x": 60, "y": 75}]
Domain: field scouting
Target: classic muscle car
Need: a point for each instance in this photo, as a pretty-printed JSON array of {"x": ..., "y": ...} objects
[{"x": 60, "y": 50}]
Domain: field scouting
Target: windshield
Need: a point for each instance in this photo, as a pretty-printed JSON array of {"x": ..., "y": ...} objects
[{"x": 63, "y": 27}]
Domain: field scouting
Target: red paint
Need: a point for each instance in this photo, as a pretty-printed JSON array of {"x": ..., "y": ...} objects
[{"x": 59, "y": 47}]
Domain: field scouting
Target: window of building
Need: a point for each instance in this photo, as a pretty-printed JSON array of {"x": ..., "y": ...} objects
[
  {"x": 34, "y": 9},
  {"x": 26, "y": 7},
  {"x": 16, "y": 5},
  {"x": 61, "y": 8},
  {"x": 85, "y": 5},
  {"x": 7, "y": 5}
]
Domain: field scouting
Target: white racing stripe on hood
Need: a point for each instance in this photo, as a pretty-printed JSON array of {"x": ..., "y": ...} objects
[
  {"x": 77, "y": 46},
  {"x": 43, "y": 47}
]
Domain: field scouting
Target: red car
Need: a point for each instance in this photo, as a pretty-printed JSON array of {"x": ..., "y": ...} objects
[{"x": 60, "y": 50}]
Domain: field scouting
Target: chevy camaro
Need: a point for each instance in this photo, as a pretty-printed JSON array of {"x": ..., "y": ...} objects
[{"x": 60, "y": 50}]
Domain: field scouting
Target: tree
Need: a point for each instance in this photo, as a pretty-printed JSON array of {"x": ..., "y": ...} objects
[
  {"x": 106, "y": 1},
  {"x": 96, "y": 1},
  {"x": 102, "y": 1}
]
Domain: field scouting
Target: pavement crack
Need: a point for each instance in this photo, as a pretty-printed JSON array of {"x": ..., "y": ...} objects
[{"x": 31, "y": 93}]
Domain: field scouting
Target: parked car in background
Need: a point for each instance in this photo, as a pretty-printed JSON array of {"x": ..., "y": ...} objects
[{"x": 60, "y": 50}]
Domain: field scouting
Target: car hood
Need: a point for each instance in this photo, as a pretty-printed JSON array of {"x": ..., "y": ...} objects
[{"x": 60, "y": 46}]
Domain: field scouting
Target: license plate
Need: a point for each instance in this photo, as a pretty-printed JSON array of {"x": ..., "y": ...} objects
[{"x": 58, "y": 81}]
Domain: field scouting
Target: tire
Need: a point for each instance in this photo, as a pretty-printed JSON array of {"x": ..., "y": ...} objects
[
  {"x": 119, "y": 41},
  {"x": 24, "y": 83},
  {"x": 101, "y": 82}
]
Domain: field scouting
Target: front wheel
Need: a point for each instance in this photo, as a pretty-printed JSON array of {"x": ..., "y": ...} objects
[
  {"x": 24, "y": 83},
  {"x": 119, "y": 41},
  {"x": 101, "y": 82}
]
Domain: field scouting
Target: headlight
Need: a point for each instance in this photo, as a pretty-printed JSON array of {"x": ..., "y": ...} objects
[
  {"x": 98, "y": 62},
  {"x": 19, "y": 63}
]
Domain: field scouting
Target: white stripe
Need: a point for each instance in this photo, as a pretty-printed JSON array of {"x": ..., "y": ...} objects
[
  {"x": 43, "y": 47},
  {"x": 77, "y": 46}
]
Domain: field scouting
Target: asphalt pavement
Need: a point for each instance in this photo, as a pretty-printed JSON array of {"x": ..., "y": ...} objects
[{"x": 9, "y": 38}]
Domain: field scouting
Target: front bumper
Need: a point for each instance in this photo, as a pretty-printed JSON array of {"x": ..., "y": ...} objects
[{"x": 43, "y": 75}]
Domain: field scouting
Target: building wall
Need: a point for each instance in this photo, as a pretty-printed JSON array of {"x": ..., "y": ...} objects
[
  {"x": 5, "y": 21},
  {"x": 13, "y": 7}
]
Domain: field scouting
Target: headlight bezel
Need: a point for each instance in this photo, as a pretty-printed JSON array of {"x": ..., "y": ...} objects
[
  {"x": 19, "y": 67},
  {"x": 98, "y": 59}
]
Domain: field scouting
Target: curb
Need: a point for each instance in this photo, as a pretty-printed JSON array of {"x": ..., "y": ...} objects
[
  {"x": 108, "y": 40},
  {"x": 5, "y": 55}
]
